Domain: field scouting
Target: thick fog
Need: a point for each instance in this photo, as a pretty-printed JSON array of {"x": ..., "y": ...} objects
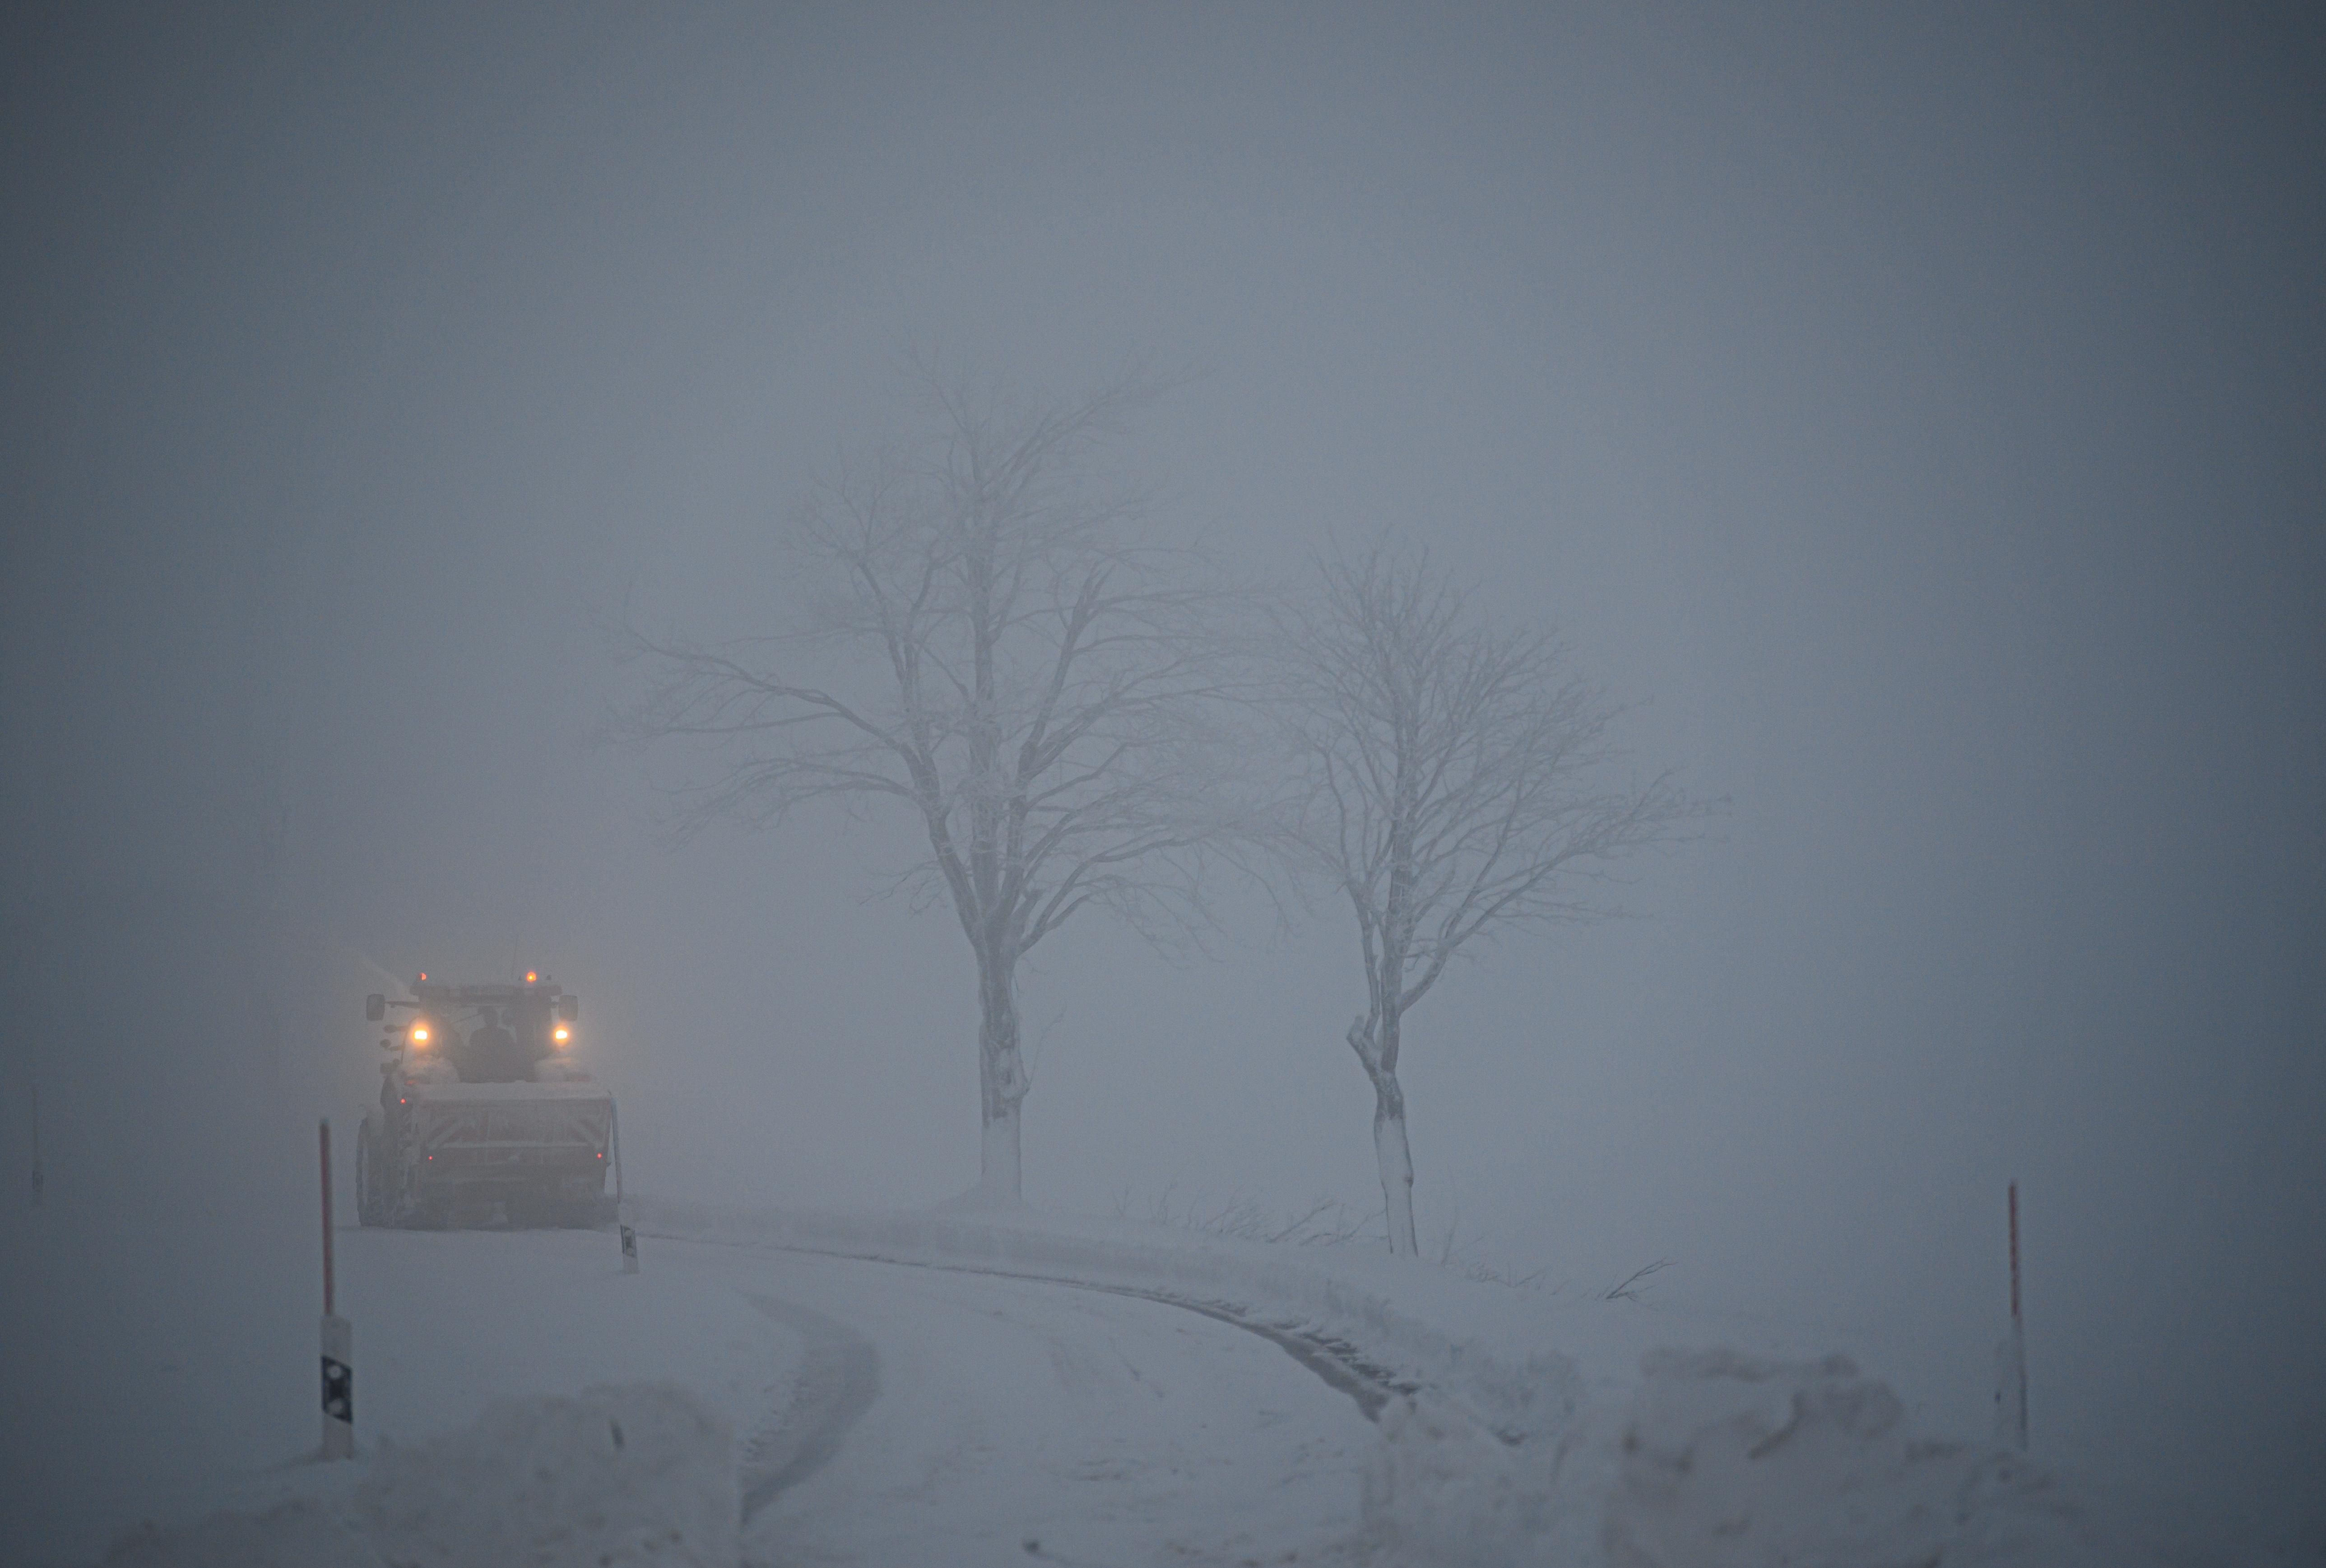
[{"x": 1916, "y": 414}]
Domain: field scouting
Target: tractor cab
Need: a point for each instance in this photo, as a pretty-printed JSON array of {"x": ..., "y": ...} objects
[
  {"x": 484, "y": 1110},
  {"x": 486, "y": 1033}
]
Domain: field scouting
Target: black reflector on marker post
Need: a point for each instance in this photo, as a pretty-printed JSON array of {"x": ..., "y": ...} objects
[
  {"x": 338, "y": 1337},
  {"x": 629, "y": 1250},
  {"x": 338, "y": 1389}
]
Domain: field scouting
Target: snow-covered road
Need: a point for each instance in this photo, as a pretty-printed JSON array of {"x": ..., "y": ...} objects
[
  {"x": 1013, "y": 1419},
  {"x": 884, "y": 1413}
]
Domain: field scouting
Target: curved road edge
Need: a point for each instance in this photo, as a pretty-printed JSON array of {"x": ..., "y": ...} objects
[
  {"x": 840, "y": 1377},
  {"x": 840, "y": 1370}
]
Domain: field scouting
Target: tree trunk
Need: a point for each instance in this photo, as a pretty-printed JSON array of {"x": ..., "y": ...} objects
[
  {"x": 1001, "y": 1081},
  {"x": 1396, "y": 1161},
  {"x": 1375, "y": 1041}
]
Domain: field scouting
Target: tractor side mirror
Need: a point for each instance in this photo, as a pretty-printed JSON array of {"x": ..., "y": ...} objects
[
  {"x": 374, "y": 1007},
  {"x": 570, "y": 1009}
]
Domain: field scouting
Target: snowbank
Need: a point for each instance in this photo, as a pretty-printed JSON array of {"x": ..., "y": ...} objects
[
  {"x": 623, "y": 1477},
  {"x": 1442, "y": 1489},
  {"x": 1731, "y": 1459},
  {"x": 1722, "y": 1460}
]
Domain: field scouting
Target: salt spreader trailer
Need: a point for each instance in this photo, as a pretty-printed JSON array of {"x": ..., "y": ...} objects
[{"x": 483, "y": 1114}]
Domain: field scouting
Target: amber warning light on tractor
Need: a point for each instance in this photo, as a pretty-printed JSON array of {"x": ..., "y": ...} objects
[{"x": 531, "y": 975}]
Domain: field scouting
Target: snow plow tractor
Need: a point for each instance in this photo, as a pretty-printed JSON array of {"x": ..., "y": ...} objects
[{"x": 484, "y": 1118}]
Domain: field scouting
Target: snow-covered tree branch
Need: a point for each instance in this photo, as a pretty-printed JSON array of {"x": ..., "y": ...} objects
[
  {"x": 986, "y": 644},
  {"x": 1452, "y": 779}
]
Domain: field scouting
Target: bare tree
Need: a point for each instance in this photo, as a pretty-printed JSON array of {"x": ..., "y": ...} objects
[
  {"x": 986, "y": 645},
  {"x": 1452, "y": 781}
]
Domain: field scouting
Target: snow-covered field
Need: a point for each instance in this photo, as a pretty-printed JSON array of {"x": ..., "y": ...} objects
[{"x": 982, "y": 1388}]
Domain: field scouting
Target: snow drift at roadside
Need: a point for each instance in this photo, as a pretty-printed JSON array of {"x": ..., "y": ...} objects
[
  {"x": 629, "y": 1476},
  {"x": 1725, "y": 1460}
]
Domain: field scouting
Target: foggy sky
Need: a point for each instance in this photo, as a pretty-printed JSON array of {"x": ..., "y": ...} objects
[{"x": 1918, "y": 412}]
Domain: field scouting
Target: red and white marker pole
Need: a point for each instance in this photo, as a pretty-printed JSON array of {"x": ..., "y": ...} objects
[{"x": 338, "y": 1337}]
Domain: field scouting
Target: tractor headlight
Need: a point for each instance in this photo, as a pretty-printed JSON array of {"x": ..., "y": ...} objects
[
  {"x": 420, "y": 1032},
  {"x": 561, "y": 1034}
]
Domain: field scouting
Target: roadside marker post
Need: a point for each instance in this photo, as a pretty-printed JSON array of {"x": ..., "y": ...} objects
[
  {"x": 2011, "y": 1356},
  {"x": 40, "y": 1175},
  {"x": 338, "y": 1337},
  {"x": 622, "y": 1204}
]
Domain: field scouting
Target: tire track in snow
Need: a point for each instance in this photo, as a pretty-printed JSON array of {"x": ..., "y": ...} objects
[
  {"x": 1335, "y": 1362},
  {"x": 840, "y": 1377},
  {"x": 1338, "y": 1364}
]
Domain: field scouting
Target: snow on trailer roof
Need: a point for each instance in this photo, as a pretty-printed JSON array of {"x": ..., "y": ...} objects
[
  {"x": 488, "y": 996},
  {"x": 525, "y": 1088}
]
